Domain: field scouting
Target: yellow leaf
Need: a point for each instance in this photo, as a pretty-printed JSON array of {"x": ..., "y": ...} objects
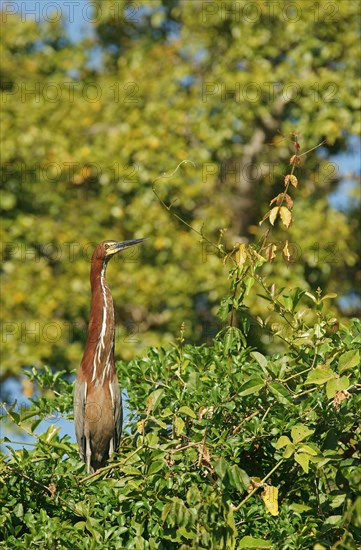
[
  {"x": 290, "y": 178},
  {"x": 270, "y": 498},
  {"x": 241, "y": 254},
  {"x": 271, "y": 252},
  {"x": 278, "y": 200},
  {"x": 289, "y": 201},
  {"x": 339, "y": 397},
  {"x": 273, "y": 214},
  {"x": 286, "y": 253},
  {"x": 286, "y": 216},
  {"x": 52, "y": 489},
  {"x": 254, "y": 482},
  {"x": 205, "y": 411},
  {"x": 264, "y": 217},
  {"x": 295, "y": 159},
  {"x": 203, "y": 454}
]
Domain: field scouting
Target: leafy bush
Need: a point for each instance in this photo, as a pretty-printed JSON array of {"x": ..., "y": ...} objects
[{"x": 213, "y": 433}]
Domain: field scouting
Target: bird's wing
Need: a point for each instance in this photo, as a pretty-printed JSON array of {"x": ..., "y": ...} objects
[
  {"x": 79, "y": 415},
  {"x": 117, "y": 412}
]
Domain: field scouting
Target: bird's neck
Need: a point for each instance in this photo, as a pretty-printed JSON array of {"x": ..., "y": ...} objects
[{"x": 98, "y": 357}]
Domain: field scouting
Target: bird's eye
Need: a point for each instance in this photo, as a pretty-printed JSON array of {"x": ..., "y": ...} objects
[{"x": 106, "y": 246}]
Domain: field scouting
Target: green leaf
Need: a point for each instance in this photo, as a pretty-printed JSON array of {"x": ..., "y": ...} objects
[
  {"x": 81, "y": 509},
  {"x": 193, "y": 496},
  {"x": 300, "y": 432},
  {"x": 130, "y": 470},
  {"x": 228, "y": 340},
  {"x": 338, "y": 500},
  {"x": 230, "y": 522},
  {"x": 282, "y": 442},
  {"x": 220, "y": 467},
  {"x": 156, "y": 467},
  {"x": 253, "y": 385},
  {"x": 280, "y": 392},
  {"x": 193, "y": 381},
  {"x": 166, "y": 412},
  {"x": 335, "y": 385},
  {"x": 288, "y": 300},
  {"x": 251, "y": 542},
  {"x": 313, "y": 298},
  {"x": 261, "y": 359},
  {"x": 238, "y": 478},
  {"x": 179, "y": 425},
  {"x": 184, "y": 533},
  {"x": 289, "y": 450},
  {"x": 303, "y": 460},
  {"x": 50, "y": 433},
  {"x": 154, "y": 399},
  {"x": 307, "y": 449},
  {"x": 300, "y": 508},
  {"x": 328, "y": 296},
  {"x": 35, "y": 424},
  {"x": 94, "y": 528},
  {"x": 249, "y": 282},
  {"x": 159, "y": 422},
  {"x": 320, "y": 375},
  {"x": 224, "y": 309},
  {"x": 152, "y": 439},
  {"x": 349, "y": 360},
  {"x": 187, "y": 411},
  {"x": 19, "y": 510},
  {"x": 334, "y": 520}
]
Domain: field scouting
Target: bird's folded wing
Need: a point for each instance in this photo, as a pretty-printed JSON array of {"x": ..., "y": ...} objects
[
  {"x": 117, "y": 412},
  {"x": 79, "y": 416}
]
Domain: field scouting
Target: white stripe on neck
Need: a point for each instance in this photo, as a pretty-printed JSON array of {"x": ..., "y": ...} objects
[{"x": 101, "y": 339}]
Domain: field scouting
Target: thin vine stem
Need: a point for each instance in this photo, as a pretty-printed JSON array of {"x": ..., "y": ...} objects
[{"x": 169, "y": 207}]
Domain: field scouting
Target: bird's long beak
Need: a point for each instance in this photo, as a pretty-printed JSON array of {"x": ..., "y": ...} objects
[{"x": 118, "y": 246}]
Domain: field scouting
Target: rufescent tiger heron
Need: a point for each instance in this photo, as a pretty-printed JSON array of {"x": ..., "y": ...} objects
[{"x": 97, "y": 396}]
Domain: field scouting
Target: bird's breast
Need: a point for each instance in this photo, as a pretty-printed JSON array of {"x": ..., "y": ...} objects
[{"x": 99, "y": 419}]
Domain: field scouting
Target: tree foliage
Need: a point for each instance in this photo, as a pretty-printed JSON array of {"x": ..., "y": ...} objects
[{"x": 89, "y": 125}]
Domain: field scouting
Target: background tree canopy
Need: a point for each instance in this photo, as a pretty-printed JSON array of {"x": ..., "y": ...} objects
[
  {"x": 89, "y": 124},
  {"x": 248, "y": 439}
]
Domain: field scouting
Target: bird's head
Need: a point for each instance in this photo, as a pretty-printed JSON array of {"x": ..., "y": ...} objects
[{"x": 107, "y": 249}]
